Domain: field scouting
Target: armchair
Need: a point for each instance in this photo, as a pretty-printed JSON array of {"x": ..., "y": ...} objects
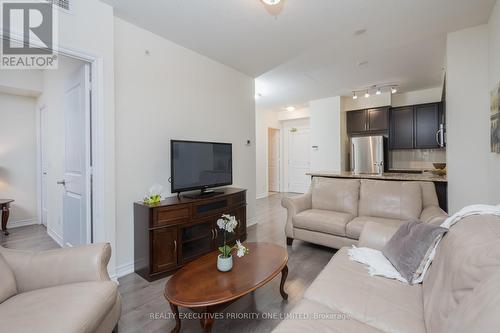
[{"x": 63, "y": 290}]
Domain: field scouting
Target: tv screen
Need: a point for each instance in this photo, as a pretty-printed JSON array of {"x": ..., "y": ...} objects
[{"x": 199, "y": 165}]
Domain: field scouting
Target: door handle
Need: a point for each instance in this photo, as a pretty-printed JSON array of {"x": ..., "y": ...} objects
[
  {"x": 61, "y": 182},
  {"x": 353, "y": 166},
  {"x": 175, "y": 246},
  {"x": 216, "y": 233},
  {"x": 213, "y": 234}
]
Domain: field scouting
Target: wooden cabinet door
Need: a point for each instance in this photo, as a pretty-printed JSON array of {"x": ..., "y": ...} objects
[
  {"x": 165, "y": 248},
  {"x": 378, "y": 119},
  {"x": 356, "y": 121},
  {"x": 401, "y": 132},
  {"x": 426, "y": 126}
]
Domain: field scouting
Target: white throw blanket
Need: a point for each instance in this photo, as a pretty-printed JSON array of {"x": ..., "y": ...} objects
[{"x": 379, "y": 265}]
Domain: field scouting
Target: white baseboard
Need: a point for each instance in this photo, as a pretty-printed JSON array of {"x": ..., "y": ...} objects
[
  {"x": 125, "y": 269},
  {"x": 252, "y": 221},
  {"x": 21, "y": 223},
  {"x": 55, "y": 236},
  {"x": 262, "y": 195}
]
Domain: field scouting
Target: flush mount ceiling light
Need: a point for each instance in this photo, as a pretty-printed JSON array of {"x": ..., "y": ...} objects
[
  {"x": 271, "y": 2},
  {"x": 290, "y": 108}
]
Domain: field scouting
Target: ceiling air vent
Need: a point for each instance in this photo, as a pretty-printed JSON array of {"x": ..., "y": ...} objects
[{"x": 63, "y": 4}]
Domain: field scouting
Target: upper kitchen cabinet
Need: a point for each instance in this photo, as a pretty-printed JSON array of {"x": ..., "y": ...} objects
[
  {"x": 378, "y": 119},
  {"x": 371, "y": 121},
  {"x": 401, "y": 134},
  {"x": 356, "y": 121},
  {"x": 417, "y": 127},
  {"x": 427, "y": 126}
]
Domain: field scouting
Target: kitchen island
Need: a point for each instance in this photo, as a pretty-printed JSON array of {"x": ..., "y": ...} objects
[{"x": 441, "y": 182}]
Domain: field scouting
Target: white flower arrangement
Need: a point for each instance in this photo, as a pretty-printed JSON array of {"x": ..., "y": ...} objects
[{"x": 229, "y": 224}]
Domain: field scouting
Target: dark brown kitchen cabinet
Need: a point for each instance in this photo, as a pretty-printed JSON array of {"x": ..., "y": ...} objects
[
  {"x": 370, "y": 121},
  {"x": 356, "y": 121},
  {"x": 378, "y": 119},
  {"x": 427, "y": 123},
  {"x": 402, "y": 125},
  {"x": 416, "y": 126}
]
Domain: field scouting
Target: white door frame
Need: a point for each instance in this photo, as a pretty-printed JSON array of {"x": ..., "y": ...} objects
[
  {"x": 39, "y": 165},
  {"x": 280, "y": 158},
  {"x": 97, "y": 138}
]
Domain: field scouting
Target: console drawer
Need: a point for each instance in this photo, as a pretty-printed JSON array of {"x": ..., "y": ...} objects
[{"x": 170, "y": 215}]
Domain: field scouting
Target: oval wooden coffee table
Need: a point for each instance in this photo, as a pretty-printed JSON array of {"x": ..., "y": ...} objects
[{"x": 200, "y": 287}]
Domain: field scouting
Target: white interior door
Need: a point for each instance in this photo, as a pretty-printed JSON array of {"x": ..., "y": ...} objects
[
  {"x": 299, "y": 160},
  {"x": 77, "y": 228},
  {"x": 44, "y": 166},
  {"x": 274, "y": 160}
]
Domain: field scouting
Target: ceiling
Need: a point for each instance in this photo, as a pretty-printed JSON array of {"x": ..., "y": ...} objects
[{"x": 304, "y": 50}]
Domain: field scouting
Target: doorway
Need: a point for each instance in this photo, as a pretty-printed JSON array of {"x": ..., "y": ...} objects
[
  {"x": 299, "y": 159},
  {"x": 274, "y": 160},
  {"x": 65, "y": 153}
]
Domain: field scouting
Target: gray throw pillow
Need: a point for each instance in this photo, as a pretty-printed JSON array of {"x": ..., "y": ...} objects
[{"x": 411, "y": 244}]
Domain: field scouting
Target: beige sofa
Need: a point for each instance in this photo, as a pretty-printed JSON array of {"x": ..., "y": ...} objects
[
  {"x": 59, "y": 291},
  {"x": 460, "y": 293},
  {"x": 334, "y": 211}
]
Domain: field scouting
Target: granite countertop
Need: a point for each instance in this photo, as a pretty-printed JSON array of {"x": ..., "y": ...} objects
[{"x": 427, "y": 176}]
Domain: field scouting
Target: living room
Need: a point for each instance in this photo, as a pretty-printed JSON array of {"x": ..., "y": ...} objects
[{"x": 266, "y": 92}]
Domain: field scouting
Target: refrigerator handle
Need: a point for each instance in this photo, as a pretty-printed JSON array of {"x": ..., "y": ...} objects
[{"x": 352, "y": 158}]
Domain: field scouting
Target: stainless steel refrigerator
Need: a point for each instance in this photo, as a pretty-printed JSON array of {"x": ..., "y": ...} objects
[{"x": 367, "y": 155}]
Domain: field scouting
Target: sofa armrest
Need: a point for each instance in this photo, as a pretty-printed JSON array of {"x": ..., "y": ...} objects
[
  {"x": 376, "y": 235},
  {"x": 36, "y": 270},
  {"x": 433, "y": 215},
  {"x": 295, "y": 205}
]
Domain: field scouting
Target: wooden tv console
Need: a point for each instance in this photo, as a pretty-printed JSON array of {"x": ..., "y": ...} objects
[{"x": 178, "y": 230}]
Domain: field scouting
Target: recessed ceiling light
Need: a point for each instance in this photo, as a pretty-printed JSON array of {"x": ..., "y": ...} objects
[
  {"x": 359, "y": 32},
  {"x": 271, "y": 2},
  {"x": 290, "y": 108}
]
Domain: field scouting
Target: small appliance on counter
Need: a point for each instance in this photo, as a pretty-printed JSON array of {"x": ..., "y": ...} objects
[{"x": 368, "y": 155}]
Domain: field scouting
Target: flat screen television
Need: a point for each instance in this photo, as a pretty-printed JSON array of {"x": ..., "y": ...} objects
[{"x": 200, "y": 165}]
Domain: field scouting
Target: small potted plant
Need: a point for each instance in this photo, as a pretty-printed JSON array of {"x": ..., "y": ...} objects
[{"x": 228, "y": 224}]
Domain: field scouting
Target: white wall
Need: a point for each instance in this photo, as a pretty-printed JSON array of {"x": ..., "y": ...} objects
[
  {"x": 18, "y": 157},
  {"x": 297, "y": 114},
  {"x": 21, "y": 82},
  {"x": 494, "y": 78},
  {"x": 468, "y": 126},
  {"x": 326, "y": 134},
  {"x": 264, "y": 119},
  {"x": 173, "y": 93},
  {"x": 52, "y": 103},
  {"x": 431, "y": 95}
]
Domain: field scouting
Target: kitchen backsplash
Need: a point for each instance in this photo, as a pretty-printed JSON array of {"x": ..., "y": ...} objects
[{"x": 416, "y": 159}]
